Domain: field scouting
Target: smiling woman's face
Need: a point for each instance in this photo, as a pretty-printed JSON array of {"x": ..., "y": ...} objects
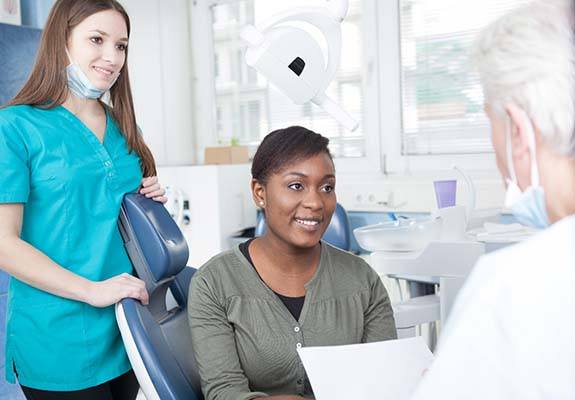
[
  {"x": 98, "y": 46},
  {"x": 299, "y": 201}
]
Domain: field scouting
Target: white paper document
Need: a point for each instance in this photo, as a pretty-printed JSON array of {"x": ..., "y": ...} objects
[{"x": 387, "y": 370}]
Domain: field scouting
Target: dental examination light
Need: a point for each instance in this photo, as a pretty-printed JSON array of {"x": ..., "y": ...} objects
[{"x": 292, "y": 60}]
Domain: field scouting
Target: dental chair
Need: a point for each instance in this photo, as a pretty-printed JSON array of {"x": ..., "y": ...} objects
[
  {"x": 337, "y": 234},
  {"x": 157, "y": 337}
]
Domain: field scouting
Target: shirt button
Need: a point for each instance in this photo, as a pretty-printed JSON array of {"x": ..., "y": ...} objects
[
  {"x": 298, "y": 345},
  {"x": 111, "y": 174},
  {"x": 299, "y": 381},
  {"x": 296, "y": 329},
  {"x": 108, "y": 163}
]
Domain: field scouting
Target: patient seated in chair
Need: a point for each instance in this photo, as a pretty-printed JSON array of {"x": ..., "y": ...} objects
[{"x": 252, "y": 307}]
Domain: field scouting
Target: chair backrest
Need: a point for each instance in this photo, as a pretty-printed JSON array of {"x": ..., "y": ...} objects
[
  {"x": 157, "y": 339},
  {"x": 337, "y": 234}
]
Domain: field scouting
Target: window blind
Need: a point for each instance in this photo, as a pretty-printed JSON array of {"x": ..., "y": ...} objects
[{"x": 442, "y": 100}]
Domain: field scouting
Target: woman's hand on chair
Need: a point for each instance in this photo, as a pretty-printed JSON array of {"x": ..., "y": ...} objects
[
  {"x": 109, "y": 292},
  {"x": 151, "y": 188}
]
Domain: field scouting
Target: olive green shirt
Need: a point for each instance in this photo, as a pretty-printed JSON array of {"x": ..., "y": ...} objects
[{"x": 245, "y": 340}]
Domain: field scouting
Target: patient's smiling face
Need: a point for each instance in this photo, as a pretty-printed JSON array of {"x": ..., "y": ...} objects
[{"x": 299, "y": 201}]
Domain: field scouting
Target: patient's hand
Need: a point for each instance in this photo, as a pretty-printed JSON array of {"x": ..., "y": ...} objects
[{"x": 151, "y": 188}]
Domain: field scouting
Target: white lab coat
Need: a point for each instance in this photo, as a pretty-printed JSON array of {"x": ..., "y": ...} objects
[{"x": 512, "y": 331}]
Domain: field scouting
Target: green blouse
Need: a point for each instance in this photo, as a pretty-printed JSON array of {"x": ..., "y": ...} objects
[{"x": 245, "y": 340}]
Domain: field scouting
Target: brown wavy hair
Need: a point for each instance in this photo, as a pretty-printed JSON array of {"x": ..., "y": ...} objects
[{"x": 47, "y": 85}]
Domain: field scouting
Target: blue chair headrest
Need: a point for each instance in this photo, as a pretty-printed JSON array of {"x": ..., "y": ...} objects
[
  {"x": 156, "y": 245},
  {"x": 338, "y": 233}
]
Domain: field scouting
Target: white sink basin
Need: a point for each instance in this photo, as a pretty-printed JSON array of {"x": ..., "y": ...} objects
[{"x": 403, "y": 235}]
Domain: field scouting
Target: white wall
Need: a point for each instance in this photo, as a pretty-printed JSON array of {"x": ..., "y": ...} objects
[
  {"x": 379, "y": 193},
  {"x": 160, "y": 62}
]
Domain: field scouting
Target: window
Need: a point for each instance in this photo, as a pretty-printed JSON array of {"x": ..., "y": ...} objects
[
  {"x": 248, "y": 107},
  {"x": 405, "y": 74},
  {"x": 441, "y": 96}
]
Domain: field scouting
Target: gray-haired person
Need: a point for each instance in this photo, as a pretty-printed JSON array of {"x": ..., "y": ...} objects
[{"x": 512, "y": 331}]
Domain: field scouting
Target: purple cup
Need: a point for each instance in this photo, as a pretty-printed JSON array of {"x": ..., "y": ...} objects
[{"x": 445, "y": 193}]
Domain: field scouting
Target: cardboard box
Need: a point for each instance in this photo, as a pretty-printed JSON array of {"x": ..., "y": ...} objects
[{"x": 226, "y": 155}]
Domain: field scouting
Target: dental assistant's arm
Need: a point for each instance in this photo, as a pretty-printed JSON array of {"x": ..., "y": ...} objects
[{"x": 27, "y": 264}]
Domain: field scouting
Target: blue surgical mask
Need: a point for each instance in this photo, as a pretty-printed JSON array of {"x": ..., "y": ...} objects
[
  {"x": 80, "y": 84},
  {"x": 528, "y": 207}
]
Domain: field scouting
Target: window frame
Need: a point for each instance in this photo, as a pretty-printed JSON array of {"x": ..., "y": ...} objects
[
  {"x": 382, "y": 123},
  {"x": 394, "y": 161}
]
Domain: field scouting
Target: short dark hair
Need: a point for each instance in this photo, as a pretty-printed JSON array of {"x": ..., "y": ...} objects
[{"x": 283, "y": 147}]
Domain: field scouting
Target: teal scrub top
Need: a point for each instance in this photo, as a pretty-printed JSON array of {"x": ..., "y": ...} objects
[{"x": 72, "y": 188}]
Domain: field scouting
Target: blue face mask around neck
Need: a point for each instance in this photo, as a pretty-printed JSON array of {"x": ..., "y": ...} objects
[
  {"x": 528, "y": 207},
  {"x": 80, "y": 84}
]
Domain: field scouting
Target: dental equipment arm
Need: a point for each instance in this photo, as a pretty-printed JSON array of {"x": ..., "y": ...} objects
[{"x": 292, "y": 59}]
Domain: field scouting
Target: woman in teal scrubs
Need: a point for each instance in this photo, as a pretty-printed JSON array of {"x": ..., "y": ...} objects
[{"x": 66, "y": 161}]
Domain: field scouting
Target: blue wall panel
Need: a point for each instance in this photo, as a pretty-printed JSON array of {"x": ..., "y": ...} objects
[
  {"x": 7, "y": 391},
  {"x": 18, "y": 46},
  {"x": 35, "y": 12}
]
